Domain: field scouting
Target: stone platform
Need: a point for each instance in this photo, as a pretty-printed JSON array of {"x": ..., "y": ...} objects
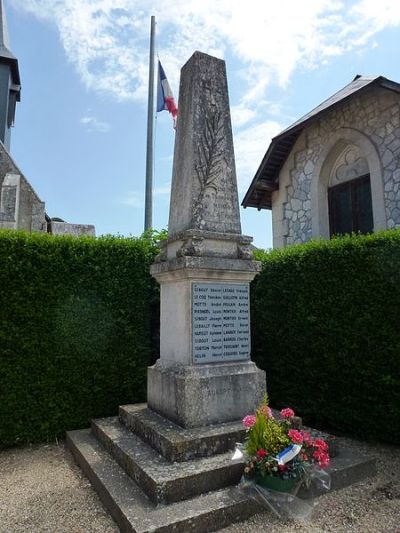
[{"x": 154, "y": 476}]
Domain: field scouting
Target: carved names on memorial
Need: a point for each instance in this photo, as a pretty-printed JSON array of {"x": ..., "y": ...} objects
[{"x": 220, "y": 322}]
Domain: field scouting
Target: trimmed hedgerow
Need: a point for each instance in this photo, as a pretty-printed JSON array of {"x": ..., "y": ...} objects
[
  {"x": 326, "y": 328},
  {"x": 79, "y": 326},
  {"x": 75, "y": 330}
]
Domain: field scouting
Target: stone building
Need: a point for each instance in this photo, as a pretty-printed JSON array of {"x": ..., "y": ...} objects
[
  {"x": 337, "y": 169},
  {"x": 20, "y": 206}
]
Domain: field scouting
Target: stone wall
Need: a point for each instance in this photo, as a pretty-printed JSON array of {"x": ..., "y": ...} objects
[
  {"x": 63, "y": 228},
  {"x": 369, "y": 123},
  {"x": 20, "y": 207}
]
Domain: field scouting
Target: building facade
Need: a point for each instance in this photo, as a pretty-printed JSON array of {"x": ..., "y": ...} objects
[{"x": 336, "y": 170}]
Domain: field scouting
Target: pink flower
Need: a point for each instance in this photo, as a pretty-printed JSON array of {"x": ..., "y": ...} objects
[
  {"x": 249, "y": 421},
  {"x": 287, "y": 412},
  {"x": 321, "y": 445},
  {"x": 261, "y": 453},
  {"x": 295, "y": 436}
]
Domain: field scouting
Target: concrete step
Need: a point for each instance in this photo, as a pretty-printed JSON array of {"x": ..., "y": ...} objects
[
  {"x": 162, "y": 480},
  {"x": 176, "y": 443},
  {"x": 349, "y": 466},
  {"x": 135, "y": 513}
]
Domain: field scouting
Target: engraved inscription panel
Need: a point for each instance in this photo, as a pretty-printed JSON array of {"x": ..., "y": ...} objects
[{"x": 220, "y": 322}]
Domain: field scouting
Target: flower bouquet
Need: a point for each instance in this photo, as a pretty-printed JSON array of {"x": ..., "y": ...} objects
[{"x": 280, "y": 457}]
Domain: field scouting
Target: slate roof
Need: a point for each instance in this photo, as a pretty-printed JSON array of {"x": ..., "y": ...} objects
[
  {"x": 266, "y": 179},
  {"x": 6, "y": 56}
]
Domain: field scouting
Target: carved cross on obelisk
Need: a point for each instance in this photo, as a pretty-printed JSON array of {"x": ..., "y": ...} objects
[{"x": 204, "y": 374}]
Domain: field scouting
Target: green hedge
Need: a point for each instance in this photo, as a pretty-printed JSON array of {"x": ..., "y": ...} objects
[
  {"x": 75, "y": 330},
  {"x": 326, "y": 328},
  {"x": 79, "y": 326}
]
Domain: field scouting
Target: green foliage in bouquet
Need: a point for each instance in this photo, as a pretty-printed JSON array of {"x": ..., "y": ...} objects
[{"x": 266, "y": 433}]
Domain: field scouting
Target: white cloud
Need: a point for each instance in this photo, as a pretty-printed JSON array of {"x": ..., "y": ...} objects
[
  {"x": 242, "y": 114},
  {"x": 162, "y": 190},
  {"x": 133, "y": 199},
  {"x": 250, "y": 145},
  {"x": 107, "y": 40},
  {"x": 93, "y": 124}
]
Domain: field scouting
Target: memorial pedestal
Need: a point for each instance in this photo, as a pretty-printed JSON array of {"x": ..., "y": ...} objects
[
  {"x": 204, "y": 374},
  {"x": 194, "y": 396}
]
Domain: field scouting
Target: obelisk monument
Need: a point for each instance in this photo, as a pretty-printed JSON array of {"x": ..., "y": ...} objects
[{"x": 204, "y": 374}]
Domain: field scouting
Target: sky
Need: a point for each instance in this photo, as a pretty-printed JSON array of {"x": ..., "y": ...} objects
[{"x": 80, "y": 129}]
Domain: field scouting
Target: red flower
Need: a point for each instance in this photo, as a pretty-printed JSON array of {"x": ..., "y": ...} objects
[
  {"x": 282, "y": 468},
  {"x": 261, "y": 453},
  {"x": 295, "y": 436},
  {"x": 320, "y": 444},
  {"x": 322, "y": 458}
]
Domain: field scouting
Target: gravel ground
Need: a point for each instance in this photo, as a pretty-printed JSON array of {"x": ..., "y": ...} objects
[{"x": 42, "y": 490}]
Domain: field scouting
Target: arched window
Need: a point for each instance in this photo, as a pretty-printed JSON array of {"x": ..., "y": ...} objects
[
  {"x": 347, "y": 186},
  {"x": 349, "y": 194}
]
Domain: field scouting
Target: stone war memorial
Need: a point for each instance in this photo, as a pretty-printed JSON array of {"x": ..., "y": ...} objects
[
  {"x": 167, "y": 465},
  {"x": 204, "y": 374}
]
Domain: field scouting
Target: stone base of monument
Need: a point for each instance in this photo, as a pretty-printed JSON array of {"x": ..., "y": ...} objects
[
  {"x": 201, "y": 395},
  {"x": 155, "y": 476}
]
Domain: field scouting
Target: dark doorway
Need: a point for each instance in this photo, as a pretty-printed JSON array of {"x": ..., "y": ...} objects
[{"x": 350, "y": 207}]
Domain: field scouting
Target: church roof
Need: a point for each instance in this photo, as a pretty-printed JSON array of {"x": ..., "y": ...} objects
[
  {"x": 266, "y": 179},
  {"x": 6, "y": 56}
]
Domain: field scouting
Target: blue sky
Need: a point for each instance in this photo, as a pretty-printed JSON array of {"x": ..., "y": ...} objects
[{"x": 80, "y": 130}]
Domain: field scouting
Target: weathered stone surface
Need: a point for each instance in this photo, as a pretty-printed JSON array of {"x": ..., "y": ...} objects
[
  {"x": 195, "y": 396},
  {"x": 176, "y": 443},
  {"x": 64, "y": 228},
  {"x": 20, "y": 207},
  {"x": 204, "y": 190},
  {"x": 164, "y": 481},
  {"x": 207, "y": 264},
  {"x": 135, "y": 513},
  {"x": 348, "y": 467},
  {"x": 198, "y": 243},
  {"x": 205, "y": 247}
]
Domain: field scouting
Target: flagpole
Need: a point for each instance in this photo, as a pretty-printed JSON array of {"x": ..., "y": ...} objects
[{"x": 148, "y": 210}]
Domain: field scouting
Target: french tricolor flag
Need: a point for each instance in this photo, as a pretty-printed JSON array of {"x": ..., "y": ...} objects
[{"x": 165, "y": 98}]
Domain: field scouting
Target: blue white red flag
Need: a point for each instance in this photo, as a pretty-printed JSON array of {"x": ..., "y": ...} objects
[{"x": 165, "y": 98}]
